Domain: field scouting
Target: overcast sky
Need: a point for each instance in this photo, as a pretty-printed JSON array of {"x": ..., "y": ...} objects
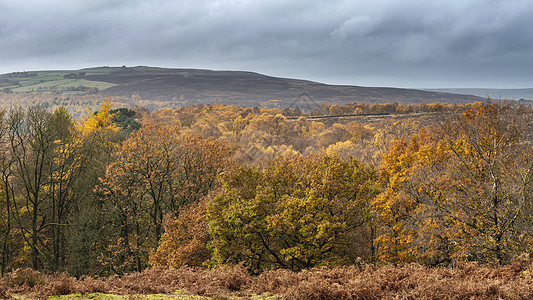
[{"x": 407, "y": 43}]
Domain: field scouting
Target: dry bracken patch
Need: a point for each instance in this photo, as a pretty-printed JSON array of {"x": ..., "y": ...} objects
[{"x": 411, "y": 281}]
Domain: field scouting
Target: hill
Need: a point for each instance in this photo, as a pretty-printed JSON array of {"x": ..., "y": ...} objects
[
  {"x": 194, "y": 86},
  {"x": 512, "y": 94}
]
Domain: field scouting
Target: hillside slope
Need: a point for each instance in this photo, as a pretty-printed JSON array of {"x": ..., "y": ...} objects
[
  {"x": 248, "y": 88},
  {"x": 181, "y": 87}
]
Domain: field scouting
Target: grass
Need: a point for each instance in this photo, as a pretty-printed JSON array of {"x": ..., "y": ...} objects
[
  {"x": 104, "y": 296},
  {"x": 48, "y": 80}
]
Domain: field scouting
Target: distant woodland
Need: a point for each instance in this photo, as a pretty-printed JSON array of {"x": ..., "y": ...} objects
[{"x": 121, "y": 190}]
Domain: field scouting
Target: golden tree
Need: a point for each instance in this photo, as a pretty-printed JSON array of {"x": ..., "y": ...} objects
[
  {"x": 158, "y": 172},
  {"x": 460, "y": 191}
]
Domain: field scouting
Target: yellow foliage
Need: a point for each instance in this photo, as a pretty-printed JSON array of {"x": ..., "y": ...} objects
[
  {"x": 102, "y": 121},
  {"x": 452, "y": 191}
]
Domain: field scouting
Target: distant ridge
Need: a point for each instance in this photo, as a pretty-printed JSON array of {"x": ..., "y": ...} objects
[
  {"x": 197, "y": 86},
  {"x": 510, "y": 94}
]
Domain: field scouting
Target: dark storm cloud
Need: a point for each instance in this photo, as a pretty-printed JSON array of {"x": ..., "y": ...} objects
[{"x": 399, "y": 43}]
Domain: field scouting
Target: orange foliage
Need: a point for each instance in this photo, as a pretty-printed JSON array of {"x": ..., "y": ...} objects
[
  {"x": 458, "y": 191},
  {"x": 185, "y": 239}
]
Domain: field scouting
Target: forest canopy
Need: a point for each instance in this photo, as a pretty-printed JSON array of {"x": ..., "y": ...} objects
[{"x": 121, "y": 190}]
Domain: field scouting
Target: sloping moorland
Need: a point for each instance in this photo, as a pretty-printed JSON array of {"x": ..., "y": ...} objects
[{"x": 194, "y": 86}]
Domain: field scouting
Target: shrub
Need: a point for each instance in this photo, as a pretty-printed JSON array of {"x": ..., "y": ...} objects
[{"x": 24, "y": 277}]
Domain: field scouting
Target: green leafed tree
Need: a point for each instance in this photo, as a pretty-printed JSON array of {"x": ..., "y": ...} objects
[{"x": 295, "y": 213}]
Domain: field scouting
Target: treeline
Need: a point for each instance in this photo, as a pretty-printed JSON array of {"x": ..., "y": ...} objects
[
  {"x": 23, "y": 74},
  {"x": 89, "y": 197},
  {"x": 63, "y": 89},
  {"x": 89, "y": 98},
  {"x": 212, "y": 185},
  {"x": 8, "y": 83},
  {"x": 378, "y": 108},
  {"x": 76, "y": 104}
]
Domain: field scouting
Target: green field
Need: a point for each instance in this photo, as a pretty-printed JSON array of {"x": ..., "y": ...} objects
[
  {"x": 47, "y": 81},
  {"x": 102, "y": 296}
]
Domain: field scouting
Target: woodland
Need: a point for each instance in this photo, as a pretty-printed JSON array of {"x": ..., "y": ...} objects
[{"x": 391, "y": 188}]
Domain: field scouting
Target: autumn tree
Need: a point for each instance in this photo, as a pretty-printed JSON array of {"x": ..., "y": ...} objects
[
  {"x": 31, "y": 142},
  {"x": 460, "y": 191},
  {"x": 296, "y": 212},
  {"x": 65, "y": 167},
  {"x": 158, "y": 171},
  {"x": 7, "y": 198},
  {"x": 38, "y": 166},
  {"x": 96, "y": 139},
  {"x": 185, "y": 240},
  {"x": 35, "y": 136}
]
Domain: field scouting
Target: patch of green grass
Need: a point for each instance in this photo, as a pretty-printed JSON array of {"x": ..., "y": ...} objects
[
  {"x": 37, "y": 79},
  {"x": 50, "y": 79},
  {"x": 265, "y": 296},
  {"x": 95, "y": 296},
  {"x": 103, "y": 296}
]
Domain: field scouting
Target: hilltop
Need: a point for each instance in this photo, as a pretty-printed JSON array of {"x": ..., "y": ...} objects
[{"x": 179, "y": 87}]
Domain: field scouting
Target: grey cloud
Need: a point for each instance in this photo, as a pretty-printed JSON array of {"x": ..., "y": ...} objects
[{"x": 381, "y": 42}]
